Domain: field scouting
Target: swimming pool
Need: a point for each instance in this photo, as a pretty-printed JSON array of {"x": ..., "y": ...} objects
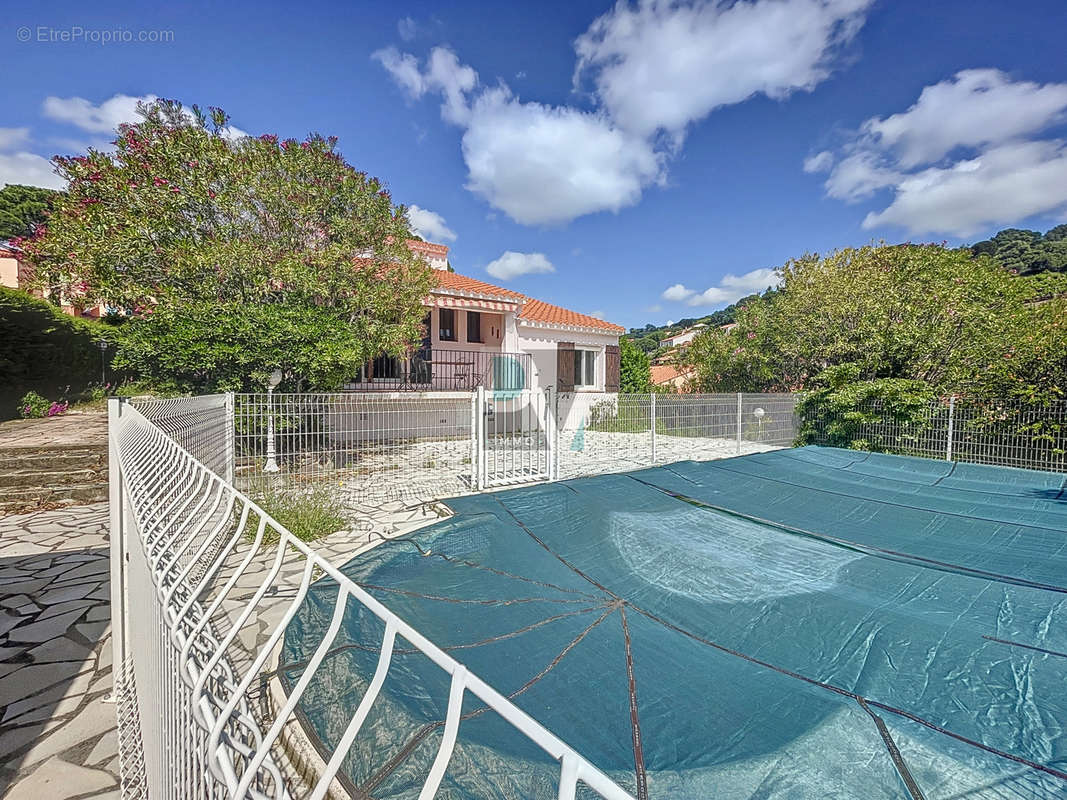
[{"x": 801, "y": 623}]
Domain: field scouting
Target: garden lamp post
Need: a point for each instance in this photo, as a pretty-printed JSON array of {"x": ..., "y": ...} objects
[
  {"x": 103, "y": 361},
  {"x": 272, "y": 383},
  {"x": 759, "y": 414}
]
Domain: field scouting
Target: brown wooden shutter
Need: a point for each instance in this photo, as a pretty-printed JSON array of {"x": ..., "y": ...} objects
[
  {"x": 565, "y": 366},
  {"x": 612, "y": 366}
]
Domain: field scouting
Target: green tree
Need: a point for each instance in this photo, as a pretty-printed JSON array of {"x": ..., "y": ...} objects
[
  {"x": 22, "y": 209},
  {"x": 954, "y": 322},
  {"x": 240, "y": 255},
  {"x": 634, "y": 370},
  {"x": 1026, "y": 252}
]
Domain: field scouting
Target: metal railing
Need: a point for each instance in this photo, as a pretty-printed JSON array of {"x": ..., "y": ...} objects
[
  {"x": 1004, "y": 432},
  {"x": 613, "y": 433},
  {"x": 205, "y": 583},
  {"x": 445, "y": 370}
]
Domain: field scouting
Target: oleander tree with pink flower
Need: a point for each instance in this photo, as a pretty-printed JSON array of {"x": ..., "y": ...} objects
[{"x": 236, "y": 255}]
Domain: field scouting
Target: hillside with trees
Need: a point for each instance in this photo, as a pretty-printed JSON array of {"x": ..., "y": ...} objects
[
  {"x": 23, "y": 208},
  {"x": 1021, "y": 252},
  {"x": 648, "y": 338},
  {"x": 1027, "y": 252}
]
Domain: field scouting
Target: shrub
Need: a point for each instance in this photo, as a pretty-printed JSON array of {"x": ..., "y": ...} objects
[
  {"x": 307, "y": 515},
  {"x": 46, "y": 351},
  {"x": 33, "y": 406}
]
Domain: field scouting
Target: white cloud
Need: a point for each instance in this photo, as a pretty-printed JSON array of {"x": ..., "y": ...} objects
[
  {"x": 730, "y": 289},
  {"x": 1001, "y": 186},
  {"x": 443, "y": 73},
  {"x": 657, "y": 66},
  {"x": 233, "y": 133},
  {"x": 975, "y": 107},
  {"x": 661, "y": 65},
  {"x": 963, "y": 157},
  {"x": 545, "y": 165},
  {"x": 820, "y": 162},
  {"x": 10, "y": 138},
  {"x": 597, "y": 314},
  {"x": 102, "y": 118},
  {"x": 29, "y": 169},
  {"x": 655, "y": 308},
  {"x": 512, "y": 265},
  {"x": 407, "y": 29},
  {"x": 430, "y": 225},
  {"x": 860, "y": 175},
  {"x": 677, "y": 293}
]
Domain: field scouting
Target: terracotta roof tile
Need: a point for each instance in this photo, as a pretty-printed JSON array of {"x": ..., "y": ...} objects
[
  {"x": 428, "y": 247},
  {"x": 661, "y": 373},
  {"x": 461, "y": 283},
  {"x": 540, "y": 311},
  {"x": 532, "y": 310}
]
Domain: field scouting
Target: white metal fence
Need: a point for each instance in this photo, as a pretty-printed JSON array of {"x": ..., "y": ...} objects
[
  {"x": 370, "y": 448},
  {"x": 204, "y": 585},
  {"x": 1005, "y": 432}
]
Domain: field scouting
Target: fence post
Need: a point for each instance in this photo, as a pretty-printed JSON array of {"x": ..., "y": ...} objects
[
  {"x": 550, "y": 430},
  {"x": 117, "y": 536},
  {"x": 739, "y": 423},
  {"x": 475, "y": 465},
  {"x": 951, "y": 422},
  {"x": 480, "y": 411},
  {"x": 231, "y": 432},
  {"x": 652, "y": 417}
]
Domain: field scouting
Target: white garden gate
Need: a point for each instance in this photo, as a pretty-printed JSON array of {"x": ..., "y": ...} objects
[{"x": 515, "y": 436}]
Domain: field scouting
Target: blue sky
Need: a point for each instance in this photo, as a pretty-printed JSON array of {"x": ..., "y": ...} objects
[{"x": 644, "y": 162}]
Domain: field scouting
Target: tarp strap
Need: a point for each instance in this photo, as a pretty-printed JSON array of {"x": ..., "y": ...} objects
[
  {"x": 635, "y": 723},
  {"x": 894, "y": 753}
]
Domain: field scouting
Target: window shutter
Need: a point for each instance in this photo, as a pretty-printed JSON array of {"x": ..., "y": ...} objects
[
  {"x": 612, "y": 366},
  {"x": 565, "y": 366}
]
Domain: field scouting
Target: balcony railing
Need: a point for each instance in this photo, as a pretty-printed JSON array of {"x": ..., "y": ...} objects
[{"x": 445, "y": 371}]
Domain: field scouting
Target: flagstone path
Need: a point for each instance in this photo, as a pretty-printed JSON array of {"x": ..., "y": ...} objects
[{"x": 57, "y": 731}]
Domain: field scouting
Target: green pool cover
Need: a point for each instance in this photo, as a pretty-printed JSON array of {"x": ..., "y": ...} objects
[{"x": 801, "y": 623}]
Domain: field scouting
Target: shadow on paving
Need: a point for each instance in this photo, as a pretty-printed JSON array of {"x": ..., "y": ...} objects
[{"x": 56, "y": 731}]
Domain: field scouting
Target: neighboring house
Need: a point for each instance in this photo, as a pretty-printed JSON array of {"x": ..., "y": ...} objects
[
  {"x": 670, "y": 375},
  {"x": 728, "y": 327},
  {"x": 479, "y": 334},
  {"x": 15, "y": 274},
  {"x": 683, "y": 338}
]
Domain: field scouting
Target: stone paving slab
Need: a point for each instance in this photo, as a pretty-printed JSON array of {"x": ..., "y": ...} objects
[
  {"x": 73, "y": 430},
  {"x": 57, "y": 733}
]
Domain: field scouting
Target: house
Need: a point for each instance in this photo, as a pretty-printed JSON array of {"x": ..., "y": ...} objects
[
  {"x": 15, "y": 274},
  {"x": 683, "y": 338},
  {"x": 670, "y": 375},
  {"x": 479, "y": 334}
]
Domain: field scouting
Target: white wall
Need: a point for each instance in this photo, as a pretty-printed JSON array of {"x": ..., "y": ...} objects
[
  {"x": 9, "y": 272},
  {"x": 542, "y": 344}
]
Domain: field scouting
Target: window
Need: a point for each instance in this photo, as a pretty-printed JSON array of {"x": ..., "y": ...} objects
[
  {"x": 387, "y": 368},
  {"x": 446, "y": 322},
  {"x": 474, "y": 326},
  {"x": 585, "y": 369}
]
